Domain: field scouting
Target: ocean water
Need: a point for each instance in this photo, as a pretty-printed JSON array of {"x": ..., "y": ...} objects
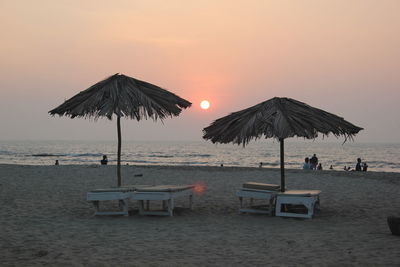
[{"x": 379, "y": 157}]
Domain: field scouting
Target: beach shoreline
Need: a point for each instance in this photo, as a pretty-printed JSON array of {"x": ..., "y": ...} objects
[
  {"x": 379, "y": 157},
  {"x": 46, "y": 219}
]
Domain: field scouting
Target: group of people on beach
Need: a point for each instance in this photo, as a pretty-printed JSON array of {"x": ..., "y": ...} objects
[
  {"x": 309, "y": 164},
  {"x": 312, "y": 163},
  {"x": 360, "y": 166}
]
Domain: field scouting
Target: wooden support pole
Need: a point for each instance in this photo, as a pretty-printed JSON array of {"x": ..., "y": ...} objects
[
  {"x": 119, "y": 151},
  {"x": 282, "y": 165}
]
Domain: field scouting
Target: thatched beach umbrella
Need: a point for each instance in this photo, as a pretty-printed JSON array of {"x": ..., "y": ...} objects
[
  {"x": 122, "y": 96},
  {"x": 278, "y": 118}
]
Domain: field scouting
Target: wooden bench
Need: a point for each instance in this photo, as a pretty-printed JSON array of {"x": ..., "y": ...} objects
[
  {"x": 253, "y": 190},
  {"x": 122, "y": 194},
  {"x": 286, "y": 203},
  {"x": 165, "y": 193}
]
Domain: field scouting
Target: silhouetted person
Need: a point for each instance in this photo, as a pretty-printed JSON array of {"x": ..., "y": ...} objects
[
  {"x": 364, "y": 167},
  {"x": 56, "y": 162},
  {"x": 306, "y": 165},
  {"x": 358, "y": 165},
  {"x": 260, "y": 165},
  {"x": 331, "y": 167},
  {"x": 314, "y": 162},
  {"x": 319, "y": 167},
  {"x": 104, "y": 161}
]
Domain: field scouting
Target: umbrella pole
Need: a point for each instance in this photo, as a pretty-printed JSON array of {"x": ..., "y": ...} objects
[
  {"x": 119, "y": 151},
  {"x": 282, "y": 165}
]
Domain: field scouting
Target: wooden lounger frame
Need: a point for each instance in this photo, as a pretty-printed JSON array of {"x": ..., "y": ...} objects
[
  {"x": 309, "y": 199},
  {"x": 166, "y": 194}
]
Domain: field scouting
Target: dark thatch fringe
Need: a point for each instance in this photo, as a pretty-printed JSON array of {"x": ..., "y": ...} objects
[
  {"x": 278, "y": 118},
  {"x": 125, "y": 97}
]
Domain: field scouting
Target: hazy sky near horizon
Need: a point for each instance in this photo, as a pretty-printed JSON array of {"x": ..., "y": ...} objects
[{"x": 341, "y": 56}]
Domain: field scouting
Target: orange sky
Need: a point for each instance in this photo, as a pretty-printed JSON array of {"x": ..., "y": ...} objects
[{"x": 341, "y": 56}]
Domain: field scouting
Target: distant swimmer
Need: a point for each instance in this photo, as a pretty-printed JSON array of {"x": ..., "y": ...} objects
[{"x": 104, "y": 161}]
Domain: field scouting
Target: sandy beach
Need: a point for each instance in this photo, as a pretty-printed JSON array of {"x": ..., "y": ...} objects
[{"x": 46, "y": 220}]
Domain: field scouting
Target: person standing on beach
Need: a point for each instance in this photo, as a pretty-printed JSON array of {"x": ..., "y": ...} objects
[
  {"x": 365, "y": 167},
  {"x": 314, "y": 162},
  {"x": 306, "y": 165},
  {"x": 358, "y": 165},
  {"x": 319, "y": 167}
]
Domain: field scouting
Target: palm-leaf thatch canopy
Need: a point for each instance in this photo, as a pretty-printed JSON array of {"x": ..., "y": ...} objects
[
  {"x": 125, "y": 97},
  {"x": 278, "y": 118},
  {"x": 122, "y": 96}
]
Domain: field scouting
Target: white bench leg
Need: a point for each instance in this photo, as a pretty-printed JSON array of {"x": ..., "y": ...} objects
[
  {"x": 271, "y": 206},
  {"x": 317, "y": 204},
  {"x": 141, "y": 206},
  {"x": 96, "y": 206},
  {"x": 170, "y": 206},
  {"x": 240, "y": 204},
  {"x": 124, "y": 206},
  {"x": 191, "y": 202}
]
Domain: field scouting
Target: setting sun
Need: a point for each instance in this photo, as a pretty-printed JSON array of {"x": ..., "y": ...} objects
[{"x": 205, "y": 104}]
